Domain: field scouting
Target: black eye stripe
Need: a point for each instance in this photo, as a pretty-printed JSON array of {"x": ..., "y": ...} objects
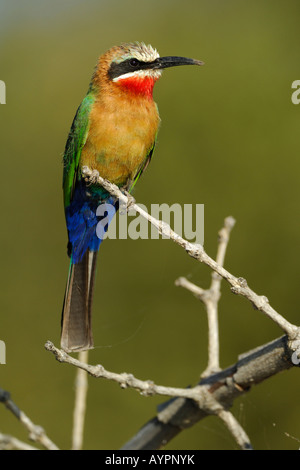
[
  {"x": 127, "y": 66},
  {"x": 134, "y": 62}
]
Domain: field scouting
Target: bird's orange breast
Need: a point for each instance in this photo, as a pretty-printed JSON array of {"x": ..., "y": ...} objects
[{"x": 122, "y": 131}]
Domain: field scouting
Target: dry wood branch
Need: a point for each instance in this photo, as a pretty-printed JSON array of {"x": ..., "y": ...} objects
[
  {"x": 12, "y": 443},
  {"x": 210, "y": 297},
  {"x": 217, "y": 389},
  {"x": 225, "y": 386},
  {"x": 236, "y": 429},
  {"x": 210, "y": 396},
  {"x": 238, "y": 284},
  {"x": 36, "y": 433},
  {"x": 144, "y": 387},
  {"x": 81, "y": 387},
  {"x": 199, "y": 394}
]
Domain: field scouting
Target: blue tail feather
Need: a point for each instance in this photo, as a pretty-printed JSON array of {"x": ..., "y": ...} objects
[{"x": 82, "y": 220}]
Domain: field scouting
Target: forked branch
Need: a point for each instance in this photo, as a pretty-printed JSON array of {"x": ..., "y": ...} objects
[{"x": 217, "y": 389}]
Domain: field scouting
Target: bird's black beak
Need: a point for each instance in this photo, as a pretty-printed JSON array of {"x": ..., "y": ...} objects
[{"x": 173, "y": 61}]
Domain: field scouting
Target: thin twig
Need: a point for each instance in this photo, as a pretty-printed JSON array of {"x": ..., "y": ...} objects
[
  {"x": 251, "y": 369},
  {"x": 81, "y": 386},
  {"x": 144, "y": 387},
  {"x": 210, "y": 297},
  {"x": 178, "y": 414},
  {"x": 36, "y": 433},
  {"x": 236, "y": 429},
  {"x": 212, "y": 395},
  {"x": 238, "y": 284},
  {"x": 12, "y": 443},
  {"x": 214, "y": 297},
  {"x": 205, "y": 394}
]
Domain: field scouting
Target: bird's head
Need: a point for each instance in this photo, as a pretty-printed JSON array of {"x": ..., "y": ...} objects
[{"x": 135, "y": 67}]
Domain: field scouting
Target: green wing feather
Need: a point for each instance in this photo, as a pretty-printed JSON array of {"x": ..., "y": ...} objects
[
  {"x": 143, "y": 166},
  {"x": 76, "y": 140}
]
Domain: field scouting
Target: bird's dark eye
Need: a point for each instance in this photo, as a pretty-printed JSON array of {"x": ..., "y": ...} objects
[{"x": 134, "y": 62}]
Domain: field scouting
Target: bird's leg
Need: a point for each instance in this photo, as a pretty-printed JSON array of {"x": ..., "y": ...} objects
[{"x": 130, "y": 199}]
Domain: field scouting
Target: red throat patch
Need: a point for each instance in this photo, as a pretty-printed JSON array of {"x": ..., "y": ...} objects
[{"x": 138, "y": 85}]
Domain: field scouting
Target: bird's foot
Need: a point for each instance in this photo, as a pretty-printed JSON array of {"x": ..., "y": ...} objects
[
  {"x": 130, "y": 200},
  {"x": 92, "y": 177}
]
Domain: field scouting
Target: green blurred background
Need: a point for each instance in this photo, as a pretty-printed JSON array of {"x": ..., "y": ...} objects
[{"x": 229, "y": 139}]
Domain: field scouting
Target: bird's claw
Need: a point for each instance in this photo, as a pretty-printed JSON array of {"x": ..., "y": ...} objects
[
  {"x": 92, "y": 178},
  {"x": 130, "y": 200}
]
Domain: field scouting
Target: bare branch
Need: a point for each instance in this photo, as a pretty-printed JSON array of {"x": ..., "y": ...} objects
[
  {"x": 225, "y": 386},
  {"x": 236, "y": 429},
  {"x": 238, "y": 284},
  {"x": 210, "y": 396},
  {"x": 36, "y": 433},
  {"x": 216, "y": 391},
  {"x": 81, "y": 386},
  {"x": 210, "y": 297},
  {"x": 144, "y": 387},
  {"x": 12, "y": 443}
]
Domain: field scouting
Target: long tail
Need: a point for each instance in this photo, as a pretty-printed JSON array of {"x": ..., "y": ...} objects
[{"x": 76, "y": 333}]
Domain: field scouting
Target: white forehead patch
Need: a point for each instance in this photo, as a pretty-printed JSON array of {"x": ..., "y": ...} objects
[{"x": 144, "y": 53}]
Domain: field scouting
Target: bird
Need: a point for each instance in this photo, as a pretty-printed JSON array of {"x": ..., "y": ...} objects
[{"x": 114, "y": 132}]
